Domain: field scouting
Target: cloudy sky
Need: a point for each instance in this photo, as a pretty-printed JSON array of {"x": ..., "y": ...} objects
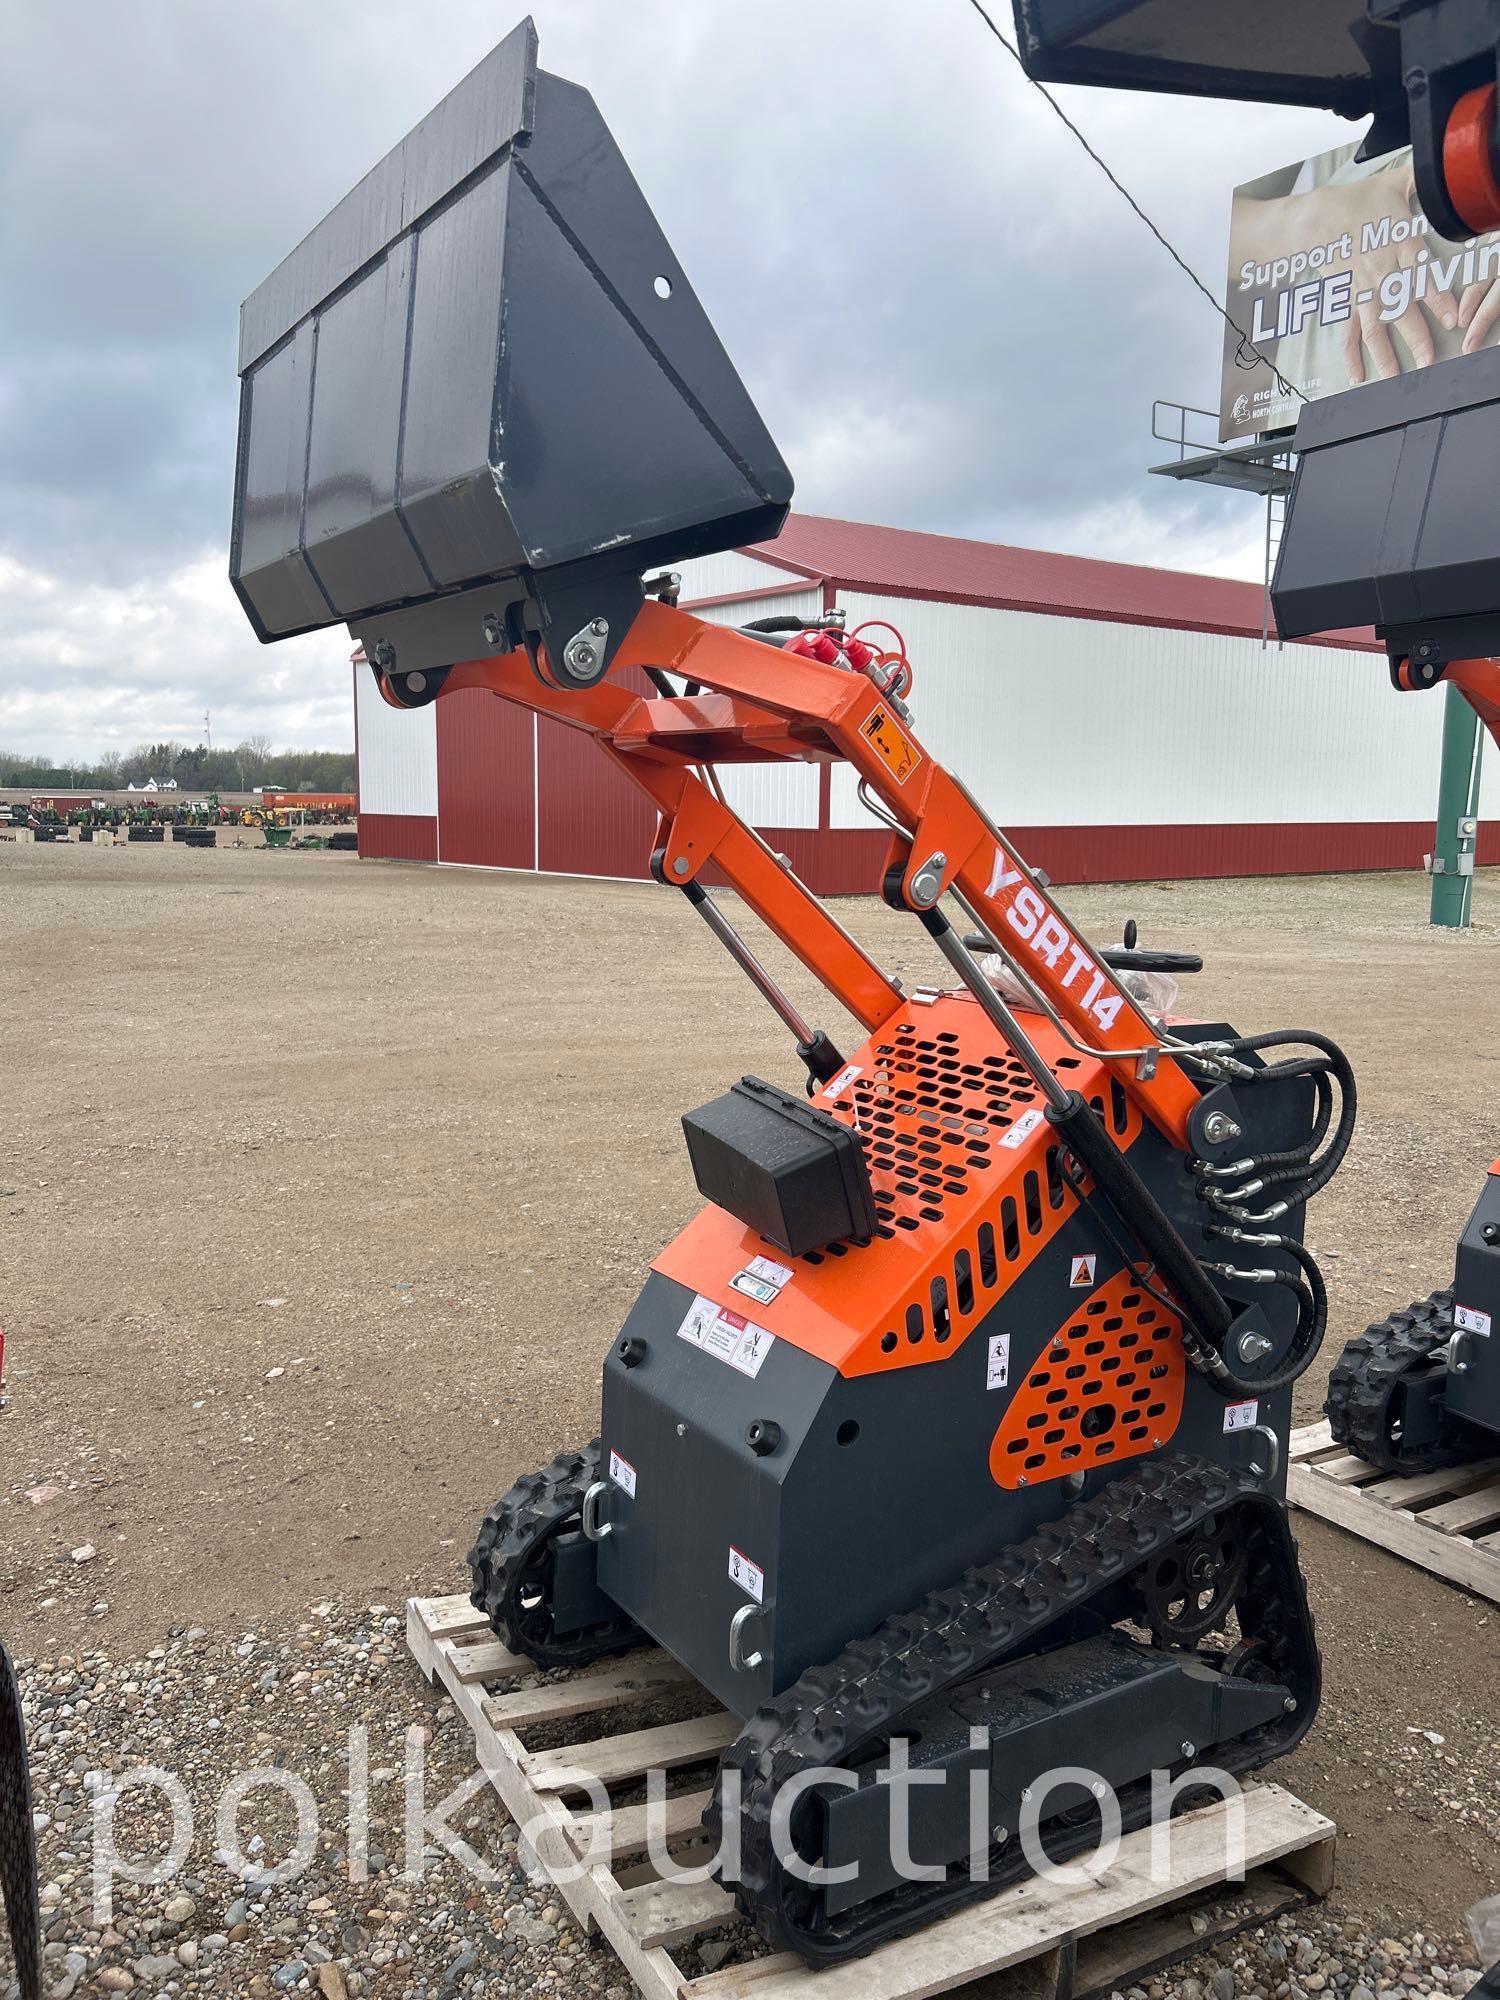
[{"x": 947, "y": 317}]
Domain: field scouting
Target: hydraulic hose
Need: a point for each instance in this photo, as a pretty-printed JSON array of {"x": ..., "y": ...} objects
[
  {"x": 1312, "y": 1317},
  {"x": 1334, "y": 1063}
]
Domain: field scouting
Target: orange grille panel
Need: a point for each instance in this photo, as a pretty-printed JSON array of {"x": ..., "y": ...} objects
[
  {"x": 968, "y": 1190},
  {"x": 1109, "y": 1385}
]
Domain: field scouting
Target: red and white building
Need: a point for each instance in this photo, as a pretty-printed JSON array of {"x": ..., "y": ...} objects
[{"x": 1122, "y": 723}]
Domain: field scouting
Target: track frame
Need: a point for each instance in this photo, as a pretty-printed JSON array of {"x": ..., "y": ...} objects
[{"x": 1061, "y": 1943}]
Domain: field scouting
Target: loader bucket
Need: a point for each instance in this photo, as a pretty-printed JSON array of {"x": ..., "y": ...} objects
[
  {"x": 480, "y": 398},
  {"x": 1279, "y": 52}
]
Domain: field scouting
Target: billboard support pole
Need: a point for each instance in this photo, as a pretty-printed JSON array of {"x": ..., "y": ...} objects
[{"x": 1457, "y": 833}]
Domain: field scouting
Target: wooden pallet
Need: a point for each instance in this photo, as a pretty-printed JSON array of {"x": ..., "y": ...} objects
[
  {"x": 1446, "y": 1522},
  {"x": 1065, "y": 1942}
]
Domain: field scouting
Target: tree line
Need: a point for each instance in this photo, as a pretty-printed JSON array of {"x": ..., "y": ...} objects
[{"x": 196, "y": 768}]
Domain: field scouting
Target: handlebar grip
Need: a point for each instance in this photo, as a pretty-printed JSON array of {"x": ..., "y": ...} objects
[{"x": 1119, "y": 959}]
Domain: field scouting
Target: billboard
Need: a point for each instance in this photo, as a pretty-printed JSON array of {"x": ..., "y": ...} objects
[{"x": 1337, "y": 280}]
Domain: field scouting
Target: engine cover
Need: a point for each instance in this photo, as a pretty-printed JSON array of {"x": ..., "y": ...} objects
[{"x": 799, "y": 1447}]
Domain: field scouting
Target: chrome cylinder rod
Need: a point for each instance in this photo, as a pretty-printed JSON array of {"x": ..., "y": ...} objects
[{"x": 746, "y": 960}]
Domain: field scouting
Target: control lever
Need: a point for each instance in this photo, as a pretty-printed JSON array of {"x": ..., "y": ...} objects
[{"x": 1123, "y": 957}]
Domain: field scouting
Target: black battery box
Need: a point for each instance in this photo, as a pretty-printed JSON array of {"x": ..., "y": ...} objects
[{"x": 790, "y": 1172}]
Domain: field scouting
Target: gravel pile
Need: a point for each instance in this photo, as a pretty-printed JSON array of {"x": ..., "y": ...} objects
[
  {"x": 338, "y": 1697},
  {"x": 263, "y": 1702},
  {"x": 1314, "y": 1952}
]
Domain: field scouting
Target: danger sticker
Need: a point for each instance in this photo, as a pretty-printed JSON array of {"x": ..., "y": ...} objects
[
  {"x": 1022, "y": 1130},
  {"x": 1082, "y": 1273},
  {"x": 890, "y": 743},
  {"x": 1241, "y": 1416},
  {"x": 622, "y": 1472},
  {"x": 997, "y": 1366},
  {"x": 750, "y": 1577},
  {"x": 1468, "y": 1320},
  {"x": 836, "y": 1086},
  {"x": 727, "y": 1336}
]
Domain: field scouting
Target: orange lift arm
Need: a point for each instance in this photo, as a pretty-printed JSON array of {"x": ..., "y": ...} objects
[
  {"x": 758, "y": 703},
  {"x": 1478, "y": 681}
]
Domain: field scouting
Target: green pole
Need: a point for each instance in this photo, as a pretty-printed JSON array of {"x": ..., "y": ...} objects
[{"x": 1458, "y": 803}]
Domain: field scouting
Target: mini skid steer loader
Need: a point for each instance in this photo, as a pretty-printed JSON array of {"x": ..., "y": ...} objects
[{"x": 950, "y": 1435}]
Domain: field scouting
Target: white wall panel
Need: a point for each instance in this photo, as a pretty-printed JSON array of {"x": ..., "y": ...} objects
[
  {"x": 767, "y": 795},
  {"x": 772, "y": 794},
  {"x": 806, "y": 603},
  {"x": 714, "y": 576},
  {"x": 1065, "y": 721},
  {"x": 397, "y": 753}
]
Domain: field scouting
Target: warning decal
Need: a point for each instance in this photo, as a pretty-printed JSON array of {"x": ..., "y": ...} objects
[
  {"x": 1082, "y": 1272},
  {"x": 890, "y": 743},
  {"x": 1241, "y": 1416},
  {"x": 748, "y": 1575},
  {"x": 840, "y": 1083},
  {"x": 622, "y": 1472},
  {"x": 1023, "y": 1128},
  {"x": 997, "y": 1367},
  {"x": 722, "y": 1333}
]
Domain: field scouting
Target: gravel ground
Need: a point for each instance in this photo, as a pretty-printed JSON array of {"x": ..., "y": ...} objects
[{"x": 326, "y": 1184}]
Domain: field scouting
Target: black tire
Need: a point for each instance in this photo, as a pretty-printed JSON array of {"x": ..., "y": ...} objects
[
  {"x": 18, "y": 1882},
  {"x": 1368, "y": 1387}
]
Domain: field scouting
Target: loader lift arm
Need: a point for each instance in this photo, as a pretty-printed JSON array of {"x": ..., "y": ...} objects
[
  {"x": 763, "y": 705},
  {"x": 752, "y": 702}
]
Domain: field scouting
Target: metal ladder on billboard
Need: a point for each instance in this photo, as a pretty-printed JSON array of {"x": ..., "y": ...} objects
[{"x": 1261, "y": 465}]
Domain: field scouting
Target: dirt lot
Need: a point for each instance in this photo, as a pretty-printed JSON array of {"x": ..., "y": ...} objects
[{"x": 326, "y": 1184}]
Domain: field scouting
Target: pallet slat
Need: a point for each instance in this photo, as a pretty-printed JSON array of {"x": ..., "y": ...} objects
[
  {"x": 1348, "y": 1471},
  {"x": 488, "y": 1660},
  {"x": 1382, "y": 1513},
  {"x": 583, "y": 1694},
  {"x": 624, "y": 1832},
  {"x": 1059, "y": 1941},
  {"x": 990, "y": 1937},
  {"x": 1315, "y": 1438},
  {"x": 613, "y": 1759},
  {"x": 664, "y": 1913},
  {"x": 1474, "y": 1510},
  {"x": 1420, "y": 1487}
]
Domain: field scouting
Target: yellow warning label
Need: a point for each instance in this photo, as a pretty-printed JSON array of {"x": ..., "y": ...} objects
[{"x": 893, "y": 747}]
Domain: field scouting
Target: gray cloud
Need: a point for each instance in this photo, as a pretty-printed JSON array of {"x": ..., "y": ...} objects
[{"x": 948, "y": 318}]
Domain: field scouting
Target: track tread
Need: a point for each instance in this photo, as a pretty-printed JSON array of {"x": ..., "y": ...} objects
[
  {"x": 992, "y": 1612},
  {"x": 1366, "y": 1375},
  {"x": 539, "y": 1506}
]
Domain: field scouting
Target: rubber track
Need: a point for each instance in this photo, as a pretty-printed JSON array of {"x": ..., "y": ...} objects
[
  {"x": 18, "y": 1839},
  {"x": 992, "y": 1613},
  {"x": 1367, "y": 1374},
  {"x": 538, "y": 1506}
]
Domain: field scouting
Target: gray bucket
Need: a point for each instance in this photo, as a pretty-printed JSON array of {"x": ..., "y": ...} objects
[{"x": 481, "y": 398}]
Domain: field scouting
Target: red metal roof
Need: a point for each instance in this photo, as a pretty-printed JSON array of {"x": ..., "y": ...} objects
[{"x": 900, "y": 562}]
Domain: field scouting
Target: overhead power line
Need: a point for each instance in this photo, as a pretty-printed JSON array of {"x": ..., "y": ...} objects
[{"x": 1248, "y": 353}]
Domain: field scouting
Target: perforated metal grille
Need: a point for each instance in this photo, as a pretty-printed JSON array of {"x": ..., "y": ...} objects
[
  {"x": 1108, "y": 1385},
  {"x": 968, "y": 1181},
  {"x": 929, "y": 1121}
]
